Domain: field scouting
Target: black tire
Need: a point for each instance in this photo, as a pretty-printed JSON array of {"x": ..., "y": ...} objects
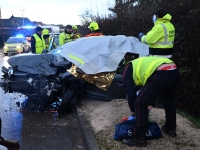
[
  {"x": 23, "y": 50},
  {"x": 5, "y": 54},
  {"x": 67, "y": 104}
]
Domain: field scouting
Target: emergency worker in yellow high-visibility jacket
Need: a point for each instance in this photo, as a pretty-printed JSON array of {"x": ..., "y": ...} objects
[
  {"x": 47, "y": 39},
  {"x": 66, "y": 36},
  {"x": 94, "y": 28},
  {"x": 159, "y": 78},
  {"x": 75, "y": 32},
  {"x": 161, "y": 37},
  {"x": 37, "y": 42}
]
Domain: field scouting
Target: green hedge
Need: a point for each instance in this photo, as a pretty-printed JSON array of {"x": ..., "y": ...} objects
[{"x": 131, "y": 19}]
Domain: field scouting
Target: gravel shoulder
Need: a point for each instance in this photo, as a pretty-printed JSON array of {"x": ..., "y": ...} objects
[{"x": 104, "y": 115}]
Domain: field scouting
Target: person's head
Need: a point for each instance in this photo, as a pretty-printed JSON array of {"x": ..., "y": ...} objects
[
  {"x": 45, "y": 33},
  {"x": 74, "y": 29},
  {"x": 38, "y": 30},
  {"x": 161, "y": 13},
  {"x": 93, "y": 26},
  {"x": 68, "y": 29}
]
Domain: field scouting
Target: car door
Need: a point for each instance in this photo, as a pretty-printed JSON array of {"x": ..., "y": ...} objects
[{"x": 116, "y": 90}]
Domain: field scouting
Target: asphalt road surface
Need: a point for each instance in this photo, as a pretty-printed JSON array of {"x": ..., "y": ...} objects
[{"x": 37, "y": 130}]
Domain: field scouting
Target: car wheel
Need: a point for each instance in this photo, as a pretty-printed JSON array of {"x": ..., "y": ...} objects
[
  {"x": 24, "y": 50},
  {"x": 5, "y": 54},
  {"x": 67, "y": 104}
]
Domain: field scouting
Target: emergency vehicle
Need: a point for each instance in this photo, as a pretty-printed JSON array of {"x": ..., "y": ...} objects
[{"x": 28, "y": 31}]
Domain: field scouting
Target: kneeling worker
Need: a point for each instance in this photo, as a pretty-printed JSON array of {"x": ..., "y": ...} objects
[{"x": 158, "y": 77}]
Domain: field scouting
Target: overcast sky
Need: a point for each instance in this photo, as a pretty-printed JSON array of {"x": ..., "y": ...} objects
[{"x": 53, "y": 11}]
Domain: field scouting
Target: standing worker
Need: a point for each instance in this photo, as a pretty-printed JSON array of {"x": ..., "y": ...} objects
[
  {"x": 161, "y": 37},
  {"x": 66, "y": 36},
  {"x": 37, "y": 43},
  {"x": 94, "y": 28},
  {"x": 75, "y": 32},
  {"x": 47, "y": 39},
  {"x": 158, "y": 77}
]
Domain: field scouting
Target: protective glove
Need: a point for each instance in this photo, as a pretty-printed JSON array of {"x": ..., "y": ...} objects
[
  {"x": 154, "y": 18},
  {"x": 140, "y": 36},
  {"x": 131, "y": 117}
]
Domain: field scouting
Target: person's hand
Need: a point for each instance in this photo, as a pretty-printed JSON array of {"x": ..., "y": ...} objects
[
  {"x": 150, "y": 107},
  {"x": 140, "y": 36}
]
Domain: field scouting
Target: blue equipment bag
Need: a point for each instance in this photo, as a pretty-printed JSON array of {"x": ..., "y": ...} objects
[{"x": 125, "y": 130}]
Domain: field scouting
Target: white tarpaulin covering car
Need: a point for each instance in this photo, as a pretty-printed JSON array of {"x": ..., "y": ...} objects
[{"x": 101, "y": 53}]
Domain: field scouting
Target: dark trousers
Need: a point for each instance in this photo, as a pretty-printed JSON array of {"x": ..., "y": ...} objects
[
  {"x": 161, "y": 84},
  {"x": 129, "y": 86}
]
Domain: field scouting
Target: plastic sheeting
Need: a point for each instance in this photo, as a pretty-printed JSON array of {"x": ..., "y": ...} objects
[
  {"x": 101, "y": 53},
  {"x": 43, "y": 64}
]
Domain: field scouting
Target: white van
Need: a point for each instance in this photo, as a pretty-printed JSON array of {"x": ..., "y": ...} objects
[{"x": 52, "y": 28}]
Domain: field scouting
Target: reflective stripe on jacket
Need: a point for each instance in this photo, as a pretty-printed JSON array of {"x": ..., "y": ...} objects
[
  {"x": 64, "y": 38},
  {"x": 39, "y": 44},
  {"x": 144, "y": 67},
  {"x": 162, "y": 34}
]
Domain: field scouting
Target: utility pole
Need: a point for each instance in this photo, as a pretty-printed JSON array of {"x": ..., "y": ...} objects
[
  {"x": 22, "y": 10},
  {"x": 1, "y": 26}
]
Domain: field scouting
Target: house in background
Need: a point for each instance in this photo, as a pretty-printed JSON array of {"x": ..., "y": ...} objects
[
  {"x": 38, "y": 23},
  {"x": 10, "y": 25},
  {"x": 19, "y": 21}
]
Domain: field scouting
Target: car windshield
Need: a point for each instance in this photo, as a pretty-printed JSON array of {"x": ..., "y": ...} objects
[{"x": 14, "y": 40}]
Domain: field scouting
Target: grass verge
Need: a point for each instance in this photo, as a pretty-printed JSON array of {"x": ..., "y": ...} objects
[{"x": 191, "y": 118}]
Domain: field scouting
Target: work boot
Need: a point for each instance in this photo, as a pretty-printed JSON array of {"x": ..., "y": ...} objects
[
  {"x": 133, "y": 141},
  {"x": 168, "y": 132}
]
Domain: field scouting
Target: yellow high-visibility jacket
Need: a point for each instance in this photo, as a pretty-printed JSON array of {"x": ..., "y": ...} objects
[
  {"x": 39, "y": 44},
  {"x": 65, "y": 38},
  {"x": 161, "y": 37},
  {"x": 144, "y": 67},
  {"x": 47, "y": 42},
  {"x": 77, "y": 35}
]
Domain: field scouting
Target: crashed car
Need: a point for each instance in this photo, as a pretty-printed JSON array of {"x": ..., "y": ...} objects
[
  {"x": 43, "y": 80},
  {"x": 86, "y": 67},
  {"x": 100, "y": 60}
]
